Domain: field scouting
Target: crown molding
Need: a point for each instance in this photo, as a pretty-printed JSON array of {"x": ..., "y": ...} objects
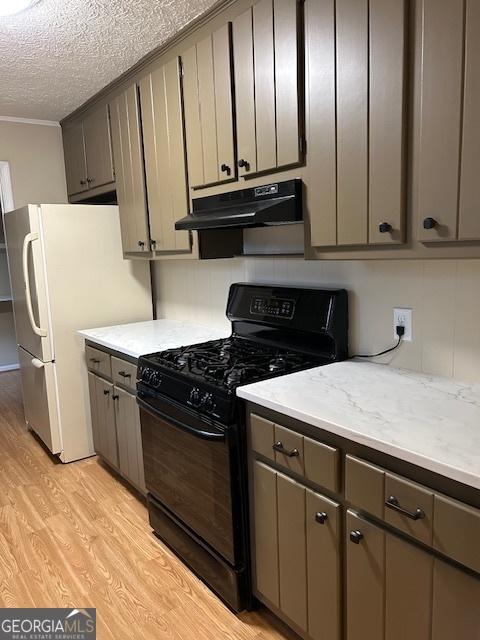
[{"x": 43, "y": 123}]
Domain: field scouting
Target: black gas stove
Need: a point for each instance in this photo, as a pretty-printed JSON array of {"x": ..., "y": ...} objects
[{"x": 193, "y": 429}]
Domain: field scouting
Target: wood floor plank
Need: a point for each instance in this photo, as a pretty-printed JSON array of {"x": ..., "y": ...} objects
[{"x": 75, "y": 535}]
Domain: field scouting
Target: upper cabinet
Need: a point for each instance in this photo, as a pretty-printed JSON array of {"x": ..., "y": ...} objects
[
  {"x": 88, "y": 153},
  {"x": 128, "y": 154},
  {"x": 207, "y": 88},
  {"x": 165, "y": 162},
  {"x": 268, "y": 87},
  {"x": 448, "y": 199},
  {"x": 356, "y": 86},
  {"x": 149, "y": 152}
]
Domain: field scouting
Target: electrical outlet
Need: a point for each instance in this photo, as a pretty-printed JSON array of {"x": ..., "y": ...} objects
[{"x": 403, "y": 317}]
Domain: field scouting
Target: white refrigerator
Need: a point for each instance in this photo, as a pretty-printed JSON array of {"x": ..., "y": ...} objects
[{"x": 67, "y": 273}]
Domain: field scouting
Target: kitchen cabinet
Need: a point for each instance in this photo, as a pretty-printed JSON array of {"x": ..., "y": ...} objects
[
  {"x": 128, "y": 156},
  {"x": 98, "y": 148},
  {"x": 296, "y": 537},
  {"x": 88, "y": 152},
  {"x": 356, "y": 96},
  {"x": 165, "y": 162},
  {"x": 115, "y": 415},
  {"x": 75, "y": 161},
  {"x": 130, "y": 455},
  {"x": 207, "y": 89},
  {"x": 448, "y": 198},
  {"x": 389, "y": 585},
  {"x": 268, "y": 90},
  {"x": 103, "y": 419}
]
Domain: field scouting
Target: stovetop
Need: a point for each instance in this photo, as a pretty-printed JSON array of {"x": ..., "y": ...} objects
[
  {"x": 230, "y": 362},
  {"x": 204, "y": 376}
]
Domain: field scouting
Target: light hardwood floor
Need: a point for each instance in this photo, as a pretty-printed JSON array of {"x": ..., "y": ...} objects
[{"x": 75, "y": 536}]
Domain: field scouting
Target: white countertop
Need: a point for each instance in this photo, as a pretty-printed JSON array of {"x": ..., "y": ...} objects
[
  {"x": 426, "y": 420},
  {"x": 139, "y": 338}
]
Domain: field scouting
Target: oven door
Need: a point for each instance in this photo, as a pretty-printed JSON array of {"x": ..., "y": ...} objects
[{"x": 188, "y": 469}]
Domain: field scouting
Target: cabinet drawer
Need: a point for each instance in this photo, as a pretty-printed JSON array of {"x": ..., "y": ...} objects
[
  {"x": 289, "y": 449},
  {"x": 98, "y": 362},
  {"x": 261, "y": 436},
  {"x": 124, "y": 373},
  {"x": 456, "y": 531},
  {"x": 321, "y": 464},
  {"x": 409, "y": 507},
  {"x": 364, "y": 486}
]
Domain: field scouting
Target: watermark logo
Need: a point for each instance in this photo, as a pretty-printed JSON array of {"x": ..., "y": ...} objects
[{"x": 48, "y": 624}]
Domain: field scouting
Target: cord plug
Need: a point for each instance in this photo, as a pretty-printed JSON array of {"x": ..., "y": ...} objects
[{"x": 400, "y": 330}]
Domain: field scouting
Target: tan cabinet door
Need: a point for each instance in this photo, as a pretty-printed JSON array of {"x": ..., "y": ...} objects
[
  {"x": 165, "y": 162},
  {"x": 130, "y": 453},
  {"x": 323, "y": 526},
  {"x": 356, "y": 71},
  {"x": 129, "y": 169},
  {"x": 98, "y": 148},
  {"x": 75, "y": 163},
  {"x": 267, "y": 87},
  {"x": 207, "y": 88},
  {"x": 456, "y": 598},
  {"x": 441, "y": 115},
  {"x": 244, "y": 93},
  {"x": 105, "y": 421},
  {"x": 265, "y": 533},
  {"x": 292, "y": 551},
  {"x": 389, "y": 585}
]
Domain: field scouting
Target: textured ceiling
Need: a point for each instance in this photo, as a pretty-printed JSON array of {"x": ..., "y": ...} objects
[{"x": 59, "y": 53}]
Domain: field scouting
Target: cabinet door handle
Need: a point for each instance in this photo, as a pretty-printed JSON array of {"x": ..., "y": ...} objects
[
  {"x": 95, "y": 361},
  {"x": 141, "y": 244},
  {"x": 321, "y": 517},
  {"x": 106, "y": 392},
  {"x": 115, "y": 397},
  {"x": 429, "y": 223},
  {"x": 89, "y": 180},
  {"x": 356, "y": 536},
  {"x": 393, "y": 503},
  {"x": 293, "y": 453},
  {"x": 385, "y": 227},
  {"x": 224, "y": 168},
  {"x": 243, "y": 164},
  {"x": 83, "y": 182},
  {"x": 124, "y": 374}
]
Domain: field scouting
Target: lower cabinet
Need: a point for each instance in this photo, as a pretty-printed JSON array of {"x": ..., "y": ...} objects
[
  {"x": 395, "y": 590},
  {"x": 116, "y": 429},
  {"x": 297, "y": 552}
]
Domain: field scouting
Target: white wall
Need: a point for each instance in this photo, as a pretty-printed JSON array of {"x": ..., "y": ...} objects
[
  {"x": 34, "y": 153},
  {"x": 444, "y": 296}
]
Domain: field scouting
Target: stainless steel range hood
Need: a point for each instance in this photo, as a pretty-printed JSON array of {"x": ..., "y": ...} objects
[{"x": 272, "y": 204}]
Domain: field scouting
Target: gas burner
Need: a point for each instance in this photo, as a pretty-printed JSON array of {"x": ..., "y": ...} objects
[{"x": 277, "y": 364}]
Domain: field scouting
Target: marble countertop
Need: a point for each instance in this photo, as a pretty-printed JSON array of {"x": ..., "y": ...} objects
[
  {"x": 426, "y": 420},
  {"x": 140, "y": 338}
]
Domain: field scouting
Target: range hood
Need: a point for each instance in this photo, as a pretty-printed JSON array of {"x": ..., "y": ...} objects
[{"x": 271, "y": 204}]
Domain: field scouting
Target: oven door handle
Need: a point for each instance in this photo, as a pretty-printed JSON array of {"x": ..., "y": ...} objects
[{"x": 212, "y": 436}]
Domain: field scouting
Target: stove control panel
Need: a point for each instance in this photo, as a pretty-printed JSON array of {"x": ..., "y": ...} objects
[
  {"x": 150, "y": 376},
  {"x": 272, "y": 307}
]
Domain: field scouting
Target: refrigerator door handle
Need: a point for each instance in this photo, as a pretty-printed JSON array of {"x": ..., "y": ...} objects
[
  {"x": 38, "y": 364},
  {"x": 29, "y": 238}
]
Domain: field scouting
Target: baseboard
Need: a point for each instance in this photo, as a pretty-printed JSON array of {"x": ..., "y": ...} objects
[{"x": 9, "y": 367}]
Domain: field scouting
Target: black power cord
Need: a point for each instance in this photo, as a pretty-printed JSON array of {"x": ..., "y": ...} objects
[{"x": 400, "y": 331}]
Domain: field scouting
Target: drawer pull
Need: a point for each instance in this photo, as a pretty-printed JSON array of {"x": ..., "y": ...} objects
[
  {"x": 321, "y": 517},
  {"x": 124, "y": 374},
  {"x": 278, "y": 446},
  {"x": 356, "y": 536},
  {"x": 94, "y": 360},
  {"x": 392, "y": 503}
]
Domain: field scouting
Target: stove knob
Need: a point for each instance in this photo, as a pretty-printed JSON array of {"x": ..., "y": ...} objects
[
  {"x": 195, "y": 398},
  {"x": 156, "y": 380},
  {"x": 209, "y": 403}
]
